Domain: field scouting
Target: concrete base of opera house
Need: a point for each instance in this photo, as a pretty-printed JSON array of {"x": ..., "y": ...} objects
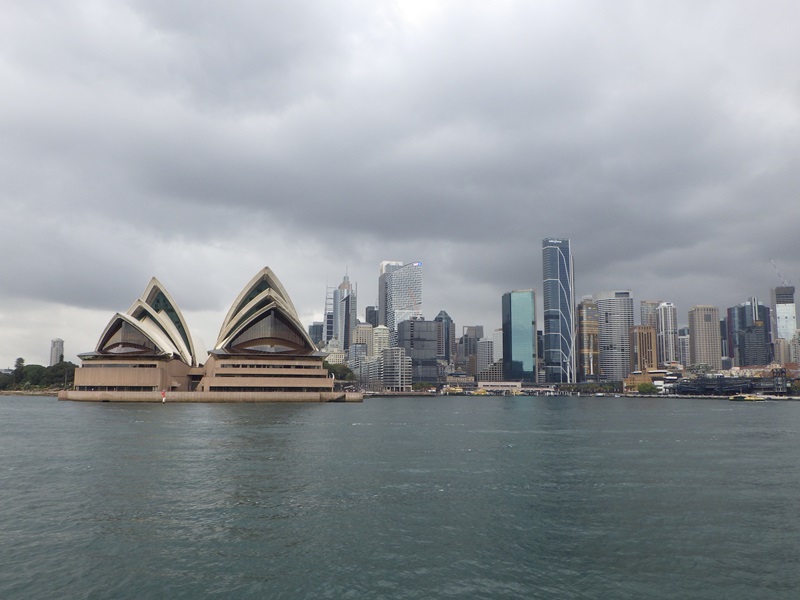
[{"x": 185, "y": 397}]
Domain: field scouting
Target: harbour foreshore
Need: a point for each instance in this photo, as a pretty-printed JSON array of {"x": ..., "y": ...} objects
[{"x": 218, "y": 397}]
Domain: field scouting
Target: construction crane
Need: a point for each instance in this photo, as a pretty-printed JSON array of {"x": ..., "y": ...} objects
[{"x": 784, "y": 281}]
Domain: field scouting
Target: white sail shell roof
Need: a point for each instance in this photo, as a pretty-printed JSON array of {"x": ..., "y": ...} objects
[{"x": 261, "y": 296}]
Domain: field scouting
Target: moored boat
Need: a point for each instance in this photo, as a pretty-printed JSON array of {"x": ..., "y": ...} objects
[{"x": 746, "y": 398}]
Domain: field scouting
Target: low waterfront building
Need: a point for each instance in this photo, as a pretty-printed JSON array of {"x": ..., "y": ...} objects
[{"x": 493, "y": 372}]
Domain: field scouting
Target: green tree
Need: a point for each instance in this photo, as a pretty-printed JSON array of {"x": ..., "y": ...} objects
[
  {"x": 647, "y": 388},
  {"x": 59, "y": 375},
  {"x": 19, "y": 366},
  {"x": 340, "y": 372},
  {"x": 32, "y": 375}
]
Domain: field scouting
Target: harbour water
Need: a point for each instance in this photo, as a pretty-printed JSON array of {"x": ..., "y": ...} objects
[{"x": 459, "y": 497}]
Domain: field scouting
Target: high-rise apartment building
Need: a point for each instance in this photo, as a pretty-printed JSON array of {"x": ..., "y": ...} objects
[
  {"x": 704, "y": 337},
  {"x": 683, "y": 346},
  {"x": 497, "y": 346},
  {"x": 485, "y": 354},
  {"x": 364, "y": 334},
  {"x": 643, "y": 348},
  {"x": 381, "y": 340},
  {"x": 397, "y": 370},
  {"x": 588, "y": 345},
  {"x": 559, "y": 310},
  {"x": 519, "y": 336},
  {"x": 615, "y": 317},
  {"x": 784, "y": 312},
  {"x": 667, "y": 332},
  {"x": 403, "y": 294},
  {"x": 56, "y": 351}
]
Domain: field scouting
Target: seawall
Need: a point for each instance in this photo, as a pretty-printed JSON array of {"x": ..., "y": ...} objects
[{"x": 81, "y": 396}]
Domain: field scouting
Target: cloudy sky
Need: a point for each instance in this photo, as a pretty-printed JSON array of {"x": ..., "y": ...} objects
[{"x": 199, "y": 141}]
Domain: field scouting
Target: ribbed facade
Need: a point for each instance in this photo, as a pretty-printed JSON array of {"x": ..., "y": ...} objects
[
  {"x": 615, "y": 318},
  {"x": 667, "y": 332},
  {"x": 559, "y": 310}
]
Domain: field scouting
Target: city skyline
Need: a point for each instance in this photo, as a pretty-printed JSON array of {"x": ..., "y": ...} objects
[
  {"x": 320, "y": 139},
  {"x": 488, "y": 322}
]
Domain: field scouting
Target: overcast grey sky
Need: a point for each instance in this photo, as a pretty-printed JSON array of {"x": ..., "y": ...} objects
[{"x": 199, "y": 141}]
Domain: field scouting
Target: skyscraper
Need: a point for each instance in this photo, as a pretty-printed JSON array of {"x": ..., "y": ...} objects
[
  {"x": 364, "y": 334},
  {"x": 344, "y": 313},
  {"x": 749, "y": 334},
  {"x": 784, "y": 312},
  {"x": 371, "y": 315},
  {"x": 467, "y": 348},
  {"x": 648, "y": 310},
  {"x": 667, "y": 332},
  {"x": 497, "y": 347},
  {"x": 56, "y": 351},
  {"x": 588, "y": 346},
  {"x": 519, "y": 336},
  {"x": 704, "y": 338},
  {"x": 485, "y": 353},
  {"x": 446, "y": 336},
  {"x": 316, "y": 331},
  {"x": 380, "y": 340},
  {"x": 403, "y": 294},
  {"x": 420, "y": 340},
  {"x": 615, "y": 317},
  {"x": 643, "y": 348},
  {"x": 386, "y": 267},
  {"x": 559, "y": 310},
  {"x": 683, "y": 346}
]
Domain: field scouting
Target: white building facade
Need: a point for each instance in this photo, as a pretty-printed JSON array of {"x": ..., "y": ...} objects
[{"x": 615, "y": 316}]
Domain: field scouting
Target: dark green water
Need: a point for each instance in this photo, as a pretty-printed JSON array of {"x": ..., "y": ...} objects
[{"x": 401, "y": 498}]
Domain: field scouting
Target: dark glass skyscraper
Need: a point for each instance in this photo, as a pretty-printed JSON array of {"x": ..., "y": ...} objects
[
  {"x": 749, "y": 335},
  {"x": 559, "y": 311},
  {"x": 519, "y": 336}
]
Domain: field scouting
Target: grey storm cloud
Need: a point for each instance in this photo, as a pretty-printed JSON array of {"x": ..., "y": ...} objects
[{"x": 199, "y": 141}]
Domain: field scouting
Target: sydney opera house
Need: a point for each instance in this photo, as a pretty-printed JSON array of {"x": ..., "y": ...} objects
[{"x": 262, "y": 354}]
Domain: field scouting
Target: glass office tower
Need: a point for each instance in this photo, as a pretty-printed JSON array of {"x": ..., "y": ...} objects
[
  {"x": 559, "y": 311},
  {"x": 519, "y": 336}
]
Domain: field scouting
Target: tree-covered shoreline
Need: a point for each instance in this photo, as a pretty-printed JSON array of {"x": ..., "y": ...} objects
[{"x": 37, "y": 377}]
